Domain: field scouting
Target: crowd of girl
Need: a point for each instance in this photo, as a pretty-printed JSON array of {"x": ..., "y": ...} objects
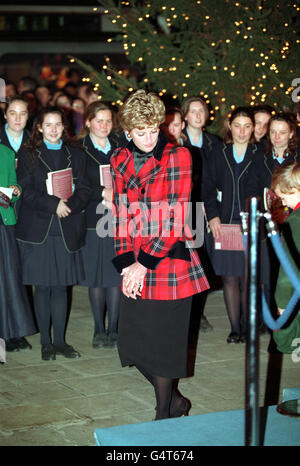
[{"x": 148, "y": 287}]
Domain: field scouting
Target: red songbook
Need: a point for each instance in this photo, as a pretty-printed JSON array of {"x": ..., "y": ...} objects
[
  {"x": 60, "y": 183},
  {"x": 231, "y": 238},
  {"x": 105, "y": 176},
  {"x": 271, "y": 200}
]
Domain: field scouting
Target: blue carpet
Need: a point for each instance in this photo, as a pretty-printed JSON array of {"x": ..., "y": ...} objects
[
  {"x": 225, "y": 428},
  {"x": 291, "y": 394}
]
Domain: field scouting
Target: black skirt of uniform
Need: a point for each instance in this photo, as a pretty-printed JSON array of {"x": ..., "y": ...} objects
[
  {"x": 16, "y": 317},
  {"x": 50, "y": 264},
  {"x": 228, "y": 263},
  {"x": 97, "y": 258},
  {"x": 153, "y": 335}
]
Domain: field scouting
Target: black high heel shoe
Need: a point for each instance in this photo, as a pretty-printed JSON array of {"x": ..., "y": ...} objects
[
  {"x": 233, "y": 338},
  {"x": 182, "y": 408}
]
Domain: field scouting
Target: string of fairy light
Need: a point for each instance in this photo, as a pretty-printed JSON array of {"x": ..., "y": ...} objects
[{"x": 259, "y": 91}]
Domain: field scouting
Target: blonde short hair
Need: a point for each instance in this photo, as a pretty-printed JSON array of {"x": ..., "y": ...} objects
[
  {"x": 287, "y": 178},
  {"x": 141, "y": 110}
]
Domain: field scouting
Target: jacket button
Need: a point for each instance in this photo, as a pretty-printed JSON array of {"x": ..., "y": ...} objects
[{"x": 143, "y": 190}]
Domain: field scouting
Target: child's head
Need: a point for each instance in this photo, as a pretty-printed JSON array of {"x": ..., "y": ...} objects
[{"x": 286, "y": 184}]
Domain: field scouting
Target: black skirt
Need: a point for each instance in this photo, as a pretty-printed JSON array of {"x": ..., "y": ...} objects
[
  {"x": 228, "y": 263},
  {"x": 153, "y": 334},
  {"x": 97, "y": 257},
  {"x": 50, "y": 264},
  {"x": 16, "y": 318}
]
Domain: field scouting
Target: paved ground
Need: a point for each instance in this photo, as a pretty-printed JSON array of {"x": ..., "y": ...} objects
[{"x": 61, "y": 402}]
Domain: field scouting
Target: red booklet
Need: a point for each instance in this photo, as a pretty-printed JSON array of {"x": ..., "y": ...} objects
[
  {"x": 105, "y": 176},
  {"x": 59, "y": 183},
  {"x": 231, "y": 238}
]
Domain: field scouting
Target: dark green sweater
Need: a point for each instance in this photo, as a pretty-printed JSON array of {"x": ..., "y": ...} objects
[{"x": 285, "y": 338}]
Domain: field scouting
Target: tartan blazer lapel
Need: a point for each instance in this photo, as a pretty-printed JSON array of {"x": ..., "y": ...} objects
[
  {"x": 145, "y": 175},
  {"x": 148, "y": 172}
]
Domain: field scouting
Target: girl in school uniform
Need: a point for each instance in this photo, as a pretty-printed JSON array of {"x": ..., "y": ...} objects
[
  {"x": 227, "y": 185},
  {"x": 13, "y": 134},
  {"x": 16, "y": 319},
  {"x": 281, "y": 149},
  {"x": 50, "y": 230},
  {"x": 200, "y": 143},
  {"x": 102, "y": 279}
]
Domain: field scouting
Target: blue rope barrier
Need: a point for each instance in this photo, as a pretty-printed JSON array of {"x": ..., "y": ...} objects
[{"x": 276, "y": 324}]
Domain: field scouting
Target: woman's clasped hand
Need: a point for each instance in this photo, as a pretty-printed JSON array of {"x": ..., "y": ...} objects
[{"x": 133, "y": 280}]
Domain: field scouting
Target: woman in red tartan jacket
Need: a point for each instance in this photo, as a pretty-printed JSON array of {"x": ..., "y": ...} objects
[{"x": 154, "y": 254}]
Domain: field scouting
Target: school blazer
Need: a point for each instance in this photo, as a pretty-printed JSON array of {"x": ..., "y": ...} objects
[
  {"x": 210, "y": 143},
  {"x": 8, "y": 178},
  {"x": 4, "y": 139},
  {"x": 219, "y": 185},
  {"x": 158, "y": 240},
  {"x": 94, "y": 159},
  {"x": 38, "y": 208},
  {"x": 263, "y": 168}
]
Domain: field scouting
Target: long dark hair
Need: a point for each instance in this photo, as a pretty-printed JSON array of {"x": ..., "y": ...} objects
[
  {"x": 36, "y": 138},
  {"x": 291, "y": 121},
  {"x": 240, "y": 111}
]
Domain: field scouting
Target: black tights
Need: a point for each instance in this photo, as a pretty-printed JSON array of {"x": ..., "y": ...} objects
[
  {"x": 167, "y": 396},
  {"x": 235, "y": 301},
  {"x": 50, "y": 307},
  {"x": 99, "y": 297}
]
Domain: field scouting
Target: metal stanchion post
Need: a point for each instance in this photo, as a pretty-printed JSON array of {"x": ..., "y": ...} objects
[{"x": 252, "y": 421}]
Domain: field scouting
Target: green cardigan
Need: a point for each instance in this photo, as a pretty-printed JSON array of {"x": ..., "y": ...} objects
[
  {"x": 8, "y": 178},
  {"x": 285, "y": 337}
]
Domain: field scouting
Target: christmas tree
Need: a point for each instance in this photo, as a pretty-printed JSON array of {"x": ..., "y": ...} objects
[{"x": 230, "y": 52}]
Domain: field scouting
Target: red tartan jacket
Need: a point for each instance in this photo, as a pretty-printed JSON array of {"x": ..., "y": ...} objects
[{"x": 149, "y": 221}]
